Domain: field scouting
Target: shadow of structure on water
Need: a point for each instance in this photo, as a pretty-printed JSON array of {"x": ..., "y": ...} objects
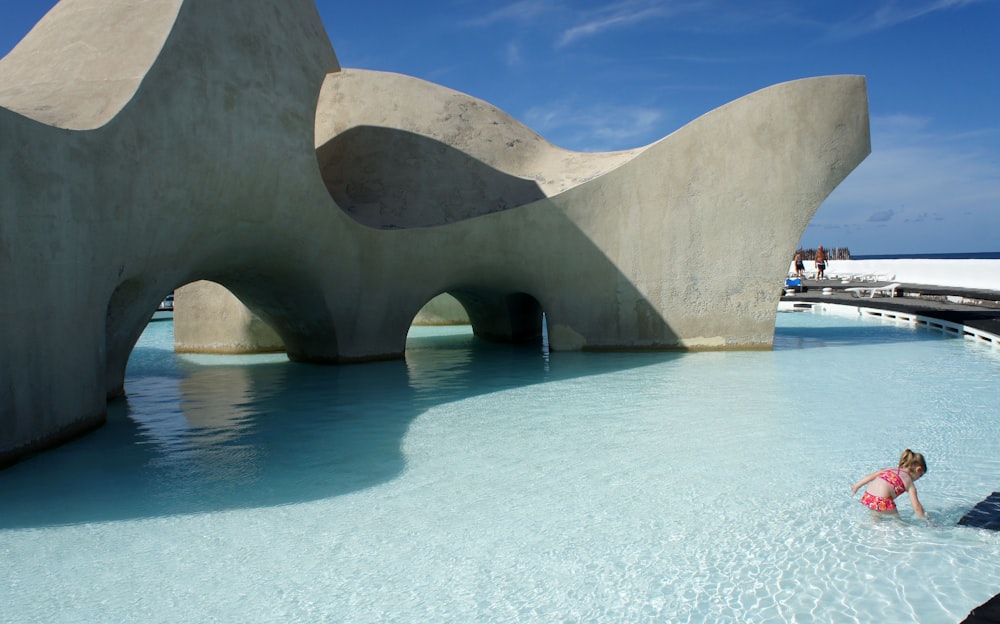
[
  {"x": 195, "y": 438},
  {"x": 200, "y": 434}
]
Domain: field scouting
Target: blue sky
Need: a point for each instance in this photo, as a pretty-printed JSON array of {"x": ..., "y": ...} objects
[{"x": 613, "y": 75}]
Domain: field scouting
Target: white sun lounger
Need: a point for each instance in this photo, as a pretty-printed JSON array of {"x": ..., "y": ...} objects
[{"x": 874, "y": 291}]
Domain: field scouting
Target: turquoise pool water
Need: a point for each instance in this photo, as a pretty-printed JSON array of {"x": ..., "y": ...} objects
[{"x": 476, "y": 482}]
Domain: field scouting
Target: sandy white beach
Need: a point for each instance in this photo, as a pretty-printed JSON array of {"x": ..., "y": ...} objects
[{"x": 978, "y": 274}]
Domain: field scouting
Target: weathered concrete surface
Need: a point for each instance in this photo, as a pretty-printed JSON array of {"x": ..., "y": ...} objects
[
  {"x": 215, "y": 321},
  {"x": 208, "y": 157},
  {"x": 674, "y": 245},
  {"x": 144, "y": 145}
]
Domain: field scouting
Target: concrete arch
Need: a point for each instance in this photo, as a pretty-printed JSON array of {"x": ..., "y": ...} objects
[
  {"x": 501, "y": 316},
  {"x": 208, "y": 169},
  {"x": 509, "y": 316},
  {"x": 674, "y": 245},
  {"x": 208, "y": 310},
  {"x": 129, "y": 309},
  {"x": 442, "y": 309},
  {"x": 153, "y": 189}
]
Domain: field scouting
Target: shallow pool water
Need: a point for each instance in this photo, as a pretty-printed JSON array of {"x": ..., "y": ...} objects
[{"x": 477, "y": 482}]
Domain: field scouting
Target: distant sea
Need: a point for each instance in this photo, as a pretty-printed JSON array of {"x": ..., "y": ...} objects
[{"x": 978, "y": 255}]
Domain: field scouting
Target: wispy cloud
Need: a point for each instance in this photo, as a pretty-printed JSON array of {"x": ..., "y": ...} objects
[
  {"x": 596, "y": 128},
  {"x": 893, "y": 12},
  {"x": 612, "y": 17},
  {"x": 521, "y": 11},
  {"x": 569, "y": 24},
  {"x": 720, "y": 59},
  {"x": 512, "y": 54}
]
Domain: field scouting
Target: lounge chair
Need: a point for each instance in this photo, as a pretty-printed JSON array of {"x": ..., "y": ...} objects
[{"x": 874, "y": 291}]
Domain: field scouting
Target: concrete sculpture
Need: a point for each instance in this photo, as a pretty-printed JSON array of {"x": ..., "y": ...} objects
[{"x": 144, "y": 146}]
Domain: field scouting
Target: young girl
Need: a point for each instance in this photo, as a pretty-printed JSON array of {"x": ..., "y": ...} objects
[{"x": 889, "y": 483}]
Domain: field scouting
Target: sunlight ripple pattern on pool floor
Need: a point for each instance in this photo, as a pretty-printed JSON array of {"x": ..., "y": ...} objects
[{"x": 477, "y": 482}]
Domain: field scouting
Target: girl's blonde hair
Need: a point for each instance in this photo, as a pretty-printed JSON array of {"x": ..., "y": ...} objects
[{"x": 910, "y": 460}]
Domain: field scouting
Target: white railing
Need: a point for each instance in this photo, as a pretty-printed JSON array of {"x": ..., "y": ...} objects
[{"x": 914, "y": 320}]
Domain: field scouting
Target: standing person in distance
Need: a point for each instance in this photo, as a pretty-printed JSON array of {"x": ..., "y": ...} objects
[{"x": 820, "y": 263}]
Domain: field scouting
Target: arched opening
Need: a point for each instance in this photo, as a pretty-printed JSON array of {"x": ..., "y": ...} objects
[
  {"x": 203, "y": 317},
  {"x": 209, "y": 318},
  {"x": 132, "y": 305},
  {"x": 514, "y": 318},
  {"x": 462, "y": 337},
  {"x": 442, "y": 310},
  {"x": 255, "y": 313},
  {"x": 509, "y": 317}
]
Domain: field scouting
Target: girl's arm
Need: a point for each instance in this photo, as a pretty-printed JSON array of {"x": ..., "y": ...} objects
[
  {"x": 917, "y": 507},
  {"x": 863, "y": 481}
]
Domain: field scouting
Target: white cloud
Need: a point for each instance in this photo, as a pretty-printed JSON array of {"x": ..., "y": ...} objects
[
  {"x": 892, "y": 12},
  {"x": 615, "y": 16},
  {"x": 900, "y": 124},
  {"x": 595, "y": 128},
  {"x": 522, "y": 11},
  {"x": 512, "y": 54},
  {"x": 919, "y": 190}
]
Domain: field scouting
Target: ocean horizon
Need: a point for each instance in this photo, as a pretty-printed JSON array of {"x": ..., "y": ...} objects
[{"x": 962, "y": 255}]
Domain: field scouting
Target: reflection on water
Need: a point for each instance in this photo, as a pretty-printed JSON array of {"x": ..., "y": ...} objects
[
  {"x": 483, "y": 482},
  {"x": 201, "y": 433}
]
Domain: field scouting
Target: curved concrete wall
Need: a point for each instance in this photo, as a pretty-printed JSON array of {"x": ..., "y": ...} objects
[
  {"x": 186, "y": 172},
  {"x": 222, "y": 157},
  {"x": 675, "y": 245},
  {"x": 215, "y": 321}
]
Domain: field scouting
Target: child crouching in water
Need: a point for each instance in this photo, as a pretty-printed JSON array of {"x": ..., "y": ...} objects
[{"x": 887, "y": 484}]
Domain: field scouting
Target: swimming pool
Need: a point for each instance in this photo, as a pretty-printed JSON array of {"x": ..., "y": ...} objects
[{"x": 477, "y": 482}]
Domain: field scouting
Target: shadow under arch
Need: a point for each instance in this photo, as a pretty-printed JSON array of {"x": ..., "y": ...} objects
[
  {"x": 494, "y": 315},
  {"x": 273, "y": 312},
  {"x": 281, "y": 312},
  {"x": 129, "y": 310},
  {"x": 514, "y": 317}
]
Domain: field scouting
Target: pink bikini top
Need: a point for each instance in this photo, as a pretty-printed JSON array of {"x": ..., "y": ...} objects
[{"x": 893, "y": 479}]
